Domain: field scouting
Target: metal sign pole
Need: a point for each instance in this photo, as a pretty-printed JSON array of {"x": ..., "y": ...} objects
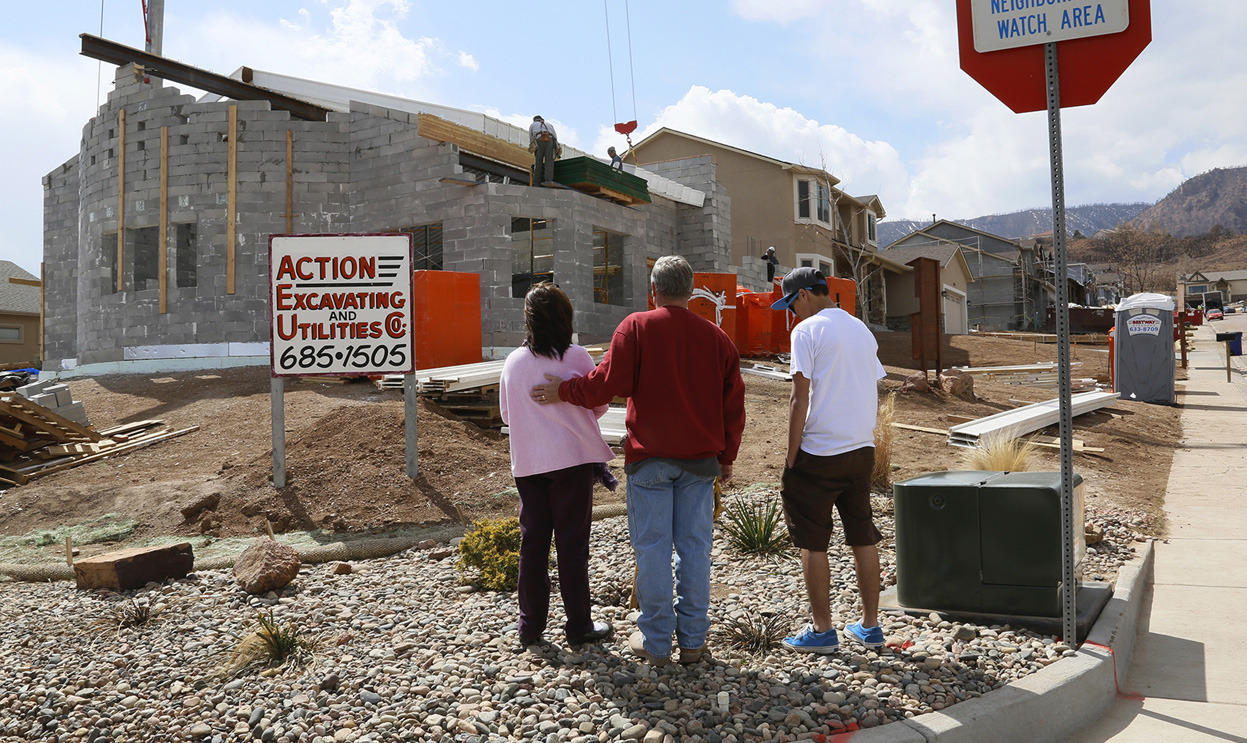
[
  {"x": 1069, "y": 591},
  {"x": 409, "y": 422},
  {"x": 277, "y": 395}
]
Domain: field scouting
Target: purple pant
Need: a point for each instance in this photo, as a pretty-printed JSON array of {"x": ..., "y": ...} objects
[{"x": 558, "y": 504}]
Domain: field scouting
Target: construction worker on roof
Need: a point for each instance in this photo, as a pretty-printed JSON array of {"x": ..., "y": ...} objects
[{"x": 544, "y": 143}]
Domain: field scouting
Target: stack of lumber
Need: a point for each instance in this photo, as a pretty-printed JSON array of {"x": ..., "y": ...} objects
[
  {"x": 1043, "y": 375},
  {"x": 447, "y": 379},
  {"x": 611, "y": 425},
  {"x": 765, "y": 370},
  {"x": 36, "y": 440},
  {"x": 596, "y": 178},
  {"x": 1021, "y": 421}
]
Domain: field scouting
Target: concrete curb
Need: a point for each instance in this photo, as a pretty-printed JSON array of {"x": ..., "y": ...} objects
[{"x": 1054, "y": 703}]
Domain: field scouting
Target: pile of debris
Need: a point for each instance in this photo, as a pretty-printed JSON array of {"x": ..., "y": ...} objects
[{"x": 43, "y": 430}]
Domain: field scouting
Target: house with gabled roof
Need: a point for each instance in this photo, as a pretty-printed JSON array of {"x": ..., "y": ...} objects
[
  {"x": 801, "y": 211},
  {"x": 1009, "y": 289},
  {"x": 19, "y": 316},
  {"x": 1229, "y": 286},
  {"x": 955, "y": 279}
]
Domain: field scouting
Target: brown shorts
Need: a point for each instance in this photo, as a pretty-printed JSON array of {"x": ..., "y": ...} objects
[{"x": 814, "y": 485}]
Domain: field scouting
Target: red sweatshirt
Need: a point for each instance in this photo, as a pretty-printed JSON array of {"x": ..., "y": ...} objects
[{"x": 681, "y": 375}]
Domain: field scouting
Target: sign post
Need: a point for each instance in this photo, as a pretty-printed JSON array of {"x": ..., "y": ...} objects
[
  {"x": 1004, "y": 44},
  {"x": 339, "y": 305}
]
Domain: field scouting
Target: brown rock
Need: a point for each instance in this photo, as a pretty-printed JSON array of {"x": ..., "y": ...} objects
[
  {"x": 207, "y": 503},
  {"x": 957, "y": 383},
  {"x": 342, "y": 568},
  {"x": 266, "y": 566},
  {"x": 1093, "y": 534},
  {"x": 134, "y": 568},
  {"x": 441, "y": 554},
  {"x": 916, "y": 382}
]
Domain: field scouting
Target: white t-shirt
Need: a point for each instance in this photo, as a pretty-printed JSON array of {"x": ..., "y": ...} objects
[{"x": 840, "y": 357}]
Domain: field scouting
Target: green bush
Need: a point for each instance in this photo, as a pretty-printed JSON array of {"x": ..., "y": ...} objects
[
  {"x": 489, "y": 555},
  {"x": 756, "y": 527}
]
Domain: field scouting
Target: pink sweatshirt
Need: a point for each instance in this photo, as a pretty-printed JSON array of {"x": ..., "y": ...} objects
[{"x": 545, "y": 438}]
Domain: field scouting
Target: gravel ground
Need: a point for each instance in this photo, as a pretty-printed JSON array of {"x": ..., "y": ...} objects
[{"x": 408, "y": 653}]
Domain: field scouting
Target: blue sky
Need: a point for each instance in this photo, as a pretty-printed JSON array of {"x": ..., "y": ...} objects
[{"x": 869, "y": 89}]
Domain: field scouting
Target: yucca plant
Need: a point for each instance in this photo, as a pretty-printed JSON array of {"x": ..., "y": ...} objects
[
  {"x": 881, "y": 477},
  {"x": 1001, "y": 454},
  {"x": 271, "y": 644},
  {"x": 125, "y": 614},
  {"x": 755, "y": 528},
  {"x": 756, "y": 635}
]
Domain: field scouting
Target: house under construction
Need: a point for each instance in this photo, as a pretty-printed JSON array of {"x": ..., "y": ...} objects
[{"x": 156, "y": 231}]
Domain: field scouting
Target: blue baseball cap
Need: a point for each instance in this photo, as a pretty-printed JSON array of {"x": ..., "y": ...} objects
[{"x": 796, "y": 280}]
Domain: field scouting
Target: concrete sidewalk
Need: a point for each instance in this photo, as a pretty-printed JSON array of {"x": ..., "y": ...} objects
[{"x": 1188, "y": 677}]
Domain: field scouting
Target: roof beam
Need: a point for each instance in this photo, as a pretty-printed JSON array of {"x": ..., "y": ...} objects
[{"x": 119, "y": 54}]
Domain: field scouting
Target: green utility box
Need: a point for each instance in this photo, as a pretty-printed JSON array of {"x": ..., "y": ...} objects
[{"x": 983, "y": 542}]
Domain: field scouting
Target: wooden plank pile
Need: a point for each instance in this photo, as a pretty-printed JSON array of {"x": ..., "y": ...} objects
[
  {"x": 36, "y": 441},
  {"x": 1021, "y": 421},
  {"x": 1042, "y": 375}
]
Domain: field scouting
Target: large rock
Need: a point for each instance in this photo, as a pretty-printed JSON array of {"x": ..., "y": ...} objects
[
  {"x": 266, "y": 566},
  {"x": 135, "y": 567},
  {"x": 916, "y": 382},
  {"x": 957, "y": 383}
]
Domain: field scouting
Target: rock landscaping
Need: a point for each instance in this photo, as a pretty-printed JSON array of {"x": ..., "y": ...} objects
[{"x": 402, "y": 651}]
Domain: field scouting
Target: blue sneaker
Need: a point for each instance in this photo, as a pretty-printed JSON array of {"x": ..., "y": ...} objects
[
  {"x": 809, "y": 641},
  {"x": 871, "y": 637}
]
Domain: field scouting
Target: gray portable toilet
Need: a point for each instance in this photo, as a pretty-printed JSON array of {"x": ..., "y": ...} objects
[{"x": 1143, "y": 364}]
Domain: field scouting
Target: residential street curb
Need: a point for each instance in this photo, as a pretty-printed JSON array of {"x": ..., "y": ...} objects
[{"x": 1050, "y": 705}]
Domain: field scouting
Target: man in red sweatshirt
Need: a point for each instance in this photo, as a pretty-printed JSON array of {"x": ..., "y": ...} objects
[{"x": 686, "y": 411}]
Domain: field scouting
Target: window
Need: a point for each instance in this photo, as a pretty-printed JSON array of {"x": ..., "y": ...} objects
[
  {"x": 803, "y": 199},
  {"x": 185, "y": 262},
  {"x": 814, "y": 260},
  {"x": 146, "y": 241},
  {"x": 1197, "y": 289},
  {"x": 108, "y": 259},
  {"x": 871, "y": 234},
  {"x": 608, "y": 286},
  {"x": 532, "y": 253},
  {"x": 426, "y": 246},
  {"x": 824, "y": 204},
  {"x": 10, "y": 333}
]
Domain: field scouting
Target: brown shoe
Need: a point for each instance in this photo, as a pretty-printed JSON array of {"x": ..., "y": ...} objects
[
  {"x": 636, "y": 643},
  {"x": 690, "y": 657}
]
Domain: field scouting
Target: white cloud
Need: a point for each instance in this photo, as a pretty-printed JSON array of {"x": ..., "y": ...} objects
[
  {"x": 864, "y": 166},
  {"x": 468, "y": 61},
  {"x": 777, "y": 11},
  {"x": 356, "y": 43}
]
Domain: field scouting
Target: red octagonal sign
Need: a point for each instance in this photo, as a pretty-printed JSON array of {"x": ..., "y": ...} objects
[{"x": 1087, "y": 67}]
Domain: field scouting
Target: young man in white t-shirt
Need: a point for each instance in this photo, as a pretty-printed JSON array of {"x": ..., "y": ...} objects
[{"x": 831, "y": 454}]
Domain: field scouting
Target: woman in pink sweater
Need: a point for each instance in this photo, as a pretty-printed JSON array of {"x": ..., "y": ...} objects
[{"x": 554, "y": 451}]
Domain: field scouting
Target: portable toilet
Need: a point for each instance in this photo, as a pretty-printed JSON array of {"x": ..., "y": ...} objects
[{"x": 1143, "y": 358}]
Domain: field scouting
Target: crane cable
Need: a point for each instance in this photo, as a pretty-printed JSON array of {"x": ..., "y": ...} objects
[{"x": 624, "y": 128}]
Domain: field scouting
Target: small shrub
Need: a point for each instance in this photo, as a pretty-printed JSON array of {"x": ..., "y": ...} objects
[
  {"x": 756, "y": 528},
  {"x": 489, "y": 555},
  {"x": 1001, "y": 454},
  {"x": 123, "y": 615},
  {"x": 756, "y": 635},
  {"x": 881, "y": 477}
]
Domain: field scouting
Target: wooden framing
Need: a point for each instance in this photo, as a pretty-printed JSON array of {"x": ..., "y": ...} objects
[
  {"x": 121, "y": 199},
  {"x": 231, "y": 207},
  {"x": 163, "y": 255},
  {"x": 478, "y": 143}
]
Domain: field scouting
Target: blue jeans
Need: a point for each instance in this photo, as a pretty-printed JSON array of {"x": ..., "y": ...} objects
[{"x": 669, "y": 508}]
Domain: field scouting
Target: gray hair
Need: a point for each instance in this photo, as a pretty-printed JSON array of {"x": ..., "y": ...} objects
[{"x": 672, "y": 277}]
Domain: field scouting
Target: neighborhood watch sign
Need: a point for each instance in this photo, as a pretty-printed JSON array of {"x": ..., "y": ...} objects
[{"x": 1143, "y": 325}]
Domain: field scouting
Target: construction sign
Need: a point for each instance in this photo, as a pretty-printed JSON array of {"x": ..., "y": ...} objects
[{"x": 340, "y": 305}]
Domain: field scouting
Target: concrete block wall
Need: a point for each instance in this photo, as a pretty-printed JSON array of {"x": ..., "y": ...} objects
[
  {"x": 704, "y": 234},
  {"x": 60, "y": 256}
]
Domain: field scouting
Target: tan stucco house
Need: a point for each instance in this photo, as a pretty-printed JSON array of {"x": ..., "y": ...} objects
[
  {"x": 799, "y": 210},
  {"x": 19, "y": 316},
  {"x": 1231, "y": 285}
]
